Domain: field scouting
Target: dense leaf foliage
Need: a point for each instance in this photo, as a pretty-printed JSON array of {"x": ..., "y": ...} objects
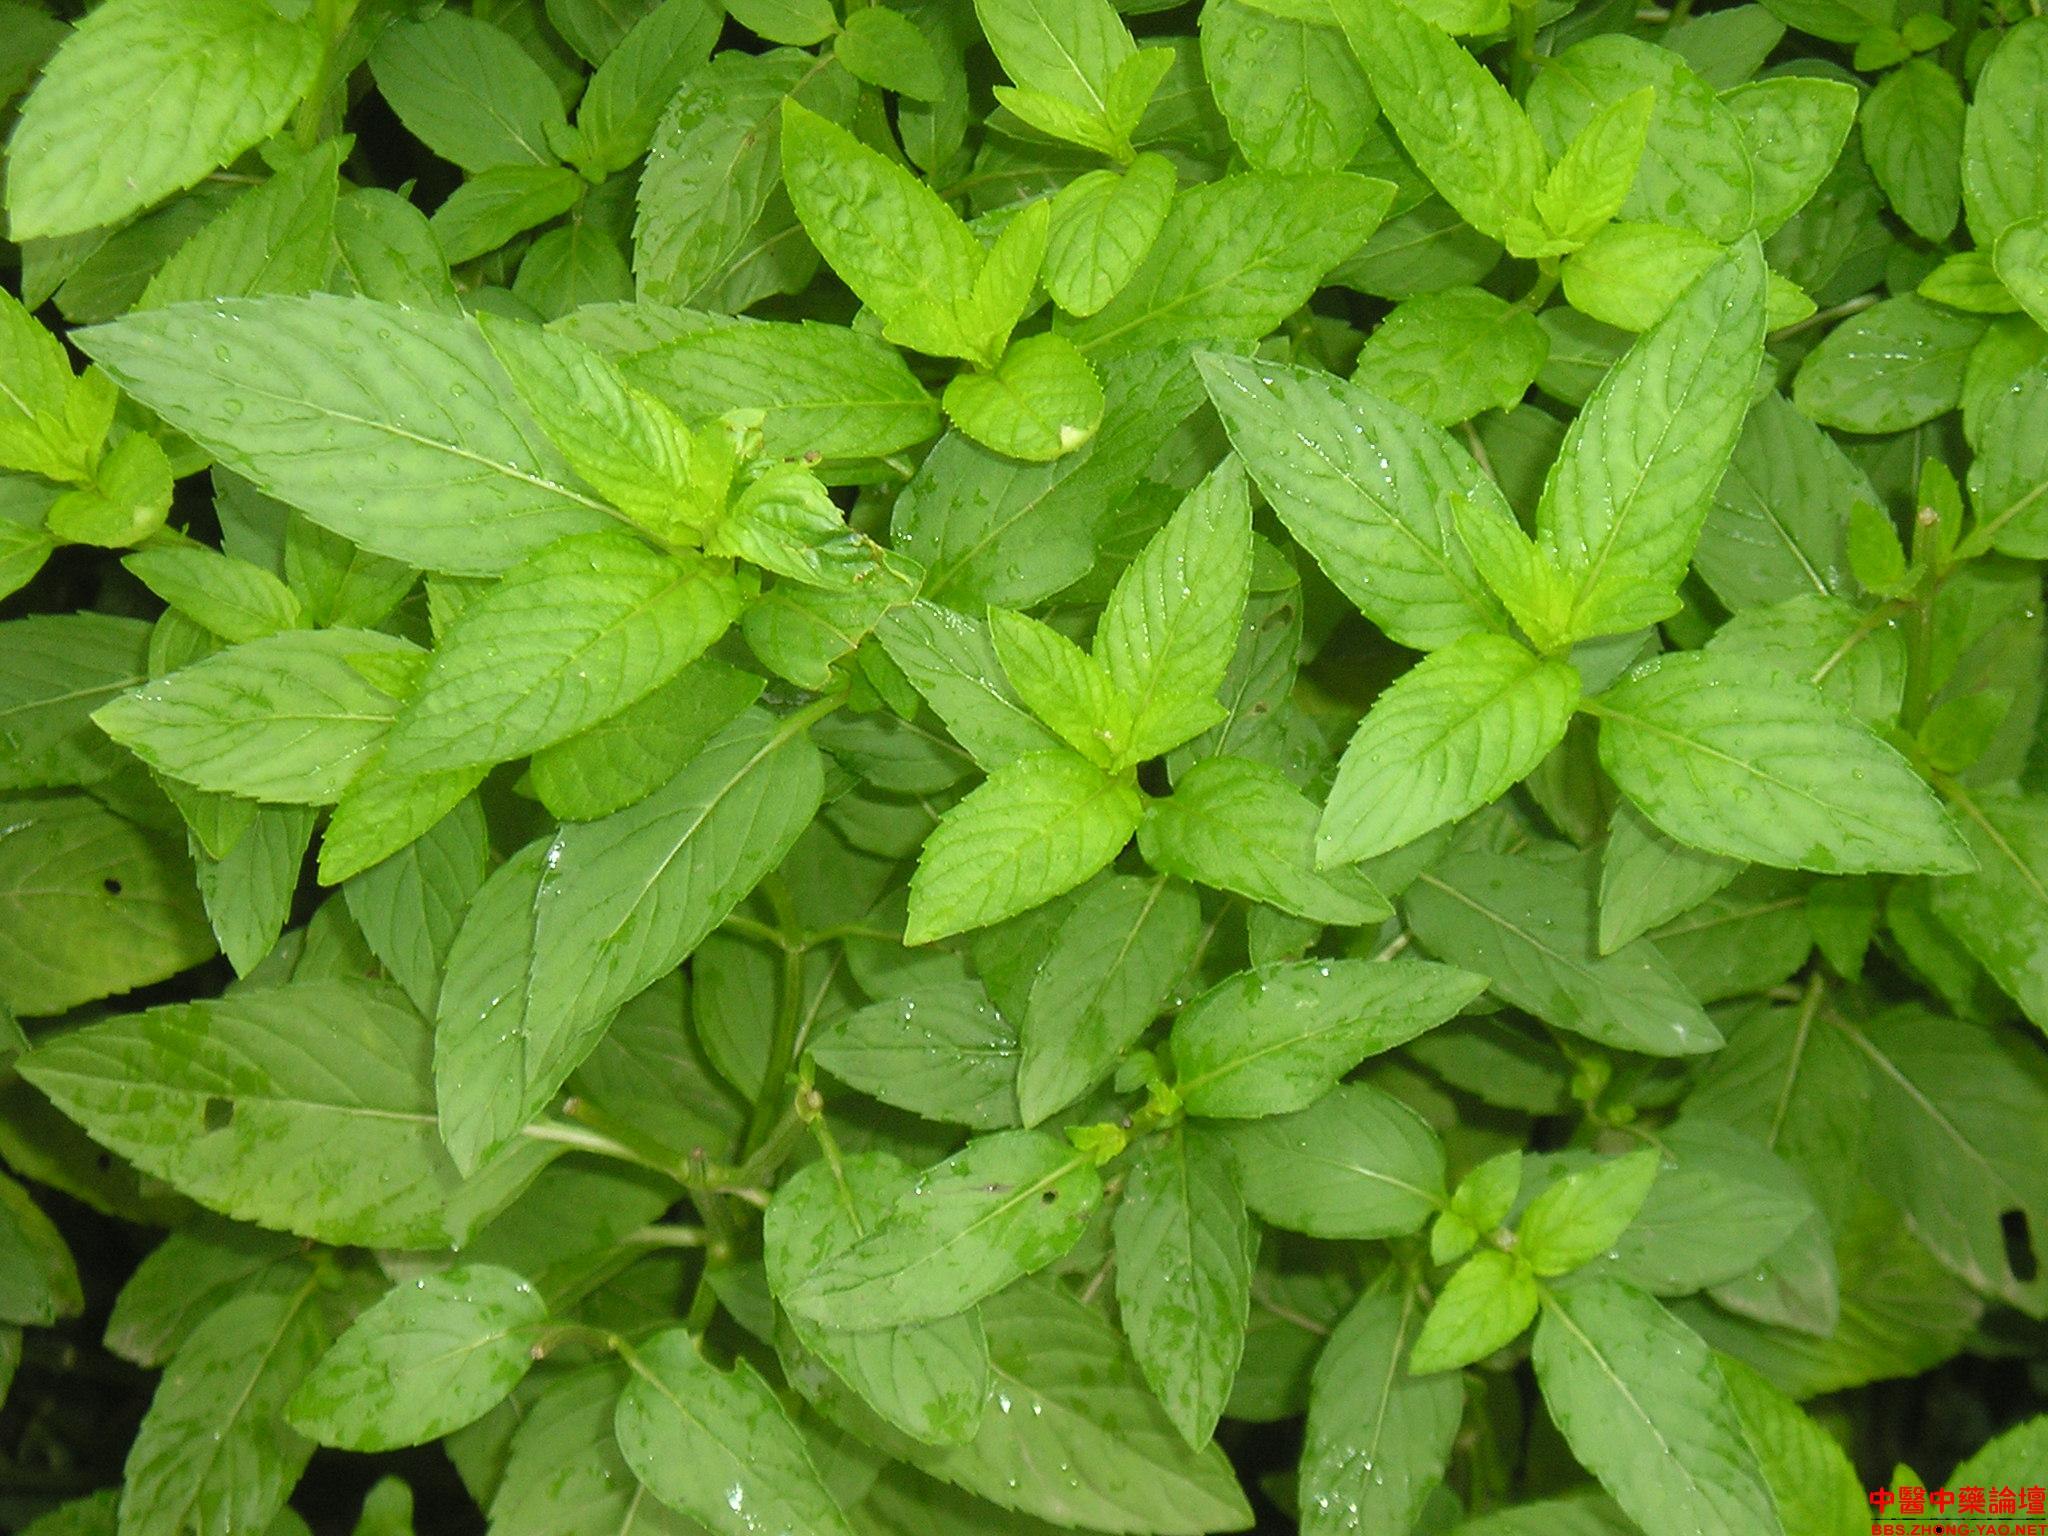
[{"x": 828, "y": 768}]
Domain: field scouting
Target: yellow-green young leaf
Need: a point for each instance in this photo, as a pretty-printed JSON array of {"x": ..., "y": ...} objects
[
  {"x": 38, "y": 1280},
  {"x": 1069, "y": 50},
  {"x": 1103, "y": 225},
  {"x": 928, "y": 1379},
  {"x": 951, "y": 659},
  {"x": 889, "y": 237},
  {"x": 1583, "y": 1214},
  {"x": 50, "y": 423},
  {"x": 1468, "y": 135},
  {"x": 380, "y": 813},
  {"x": 1379, "y": 1437},
  {"x": 1008, "y": 278},
  {"x": 1109, "y": 969},
  {"x": 1241, "y": 826},
  {"x": 1367, "y": 489},
  {"x": 716, "y": 1446},
  {"x": 1451, "y": 735},
  {"x": 126, "y": 502},
  {"x": 214, "y": 1452},
  {"x": 1000, "y": 1208},
  {"x": 1275, "y": 1038},
  {"x": 1641, "y": 1401},
  {"x": 1356, "y": 1163},
  {"x": 308, "y": 1108},
  {"x": 1237, "y": 256},
  {"x": 1041, "y": 401},
  {"x": 2005, "y": 140},
  {"x": 236, "y": 600},
  {"x": 1483, "y": 1307},
  {"x": 1622, "y": 507},
  {"x": 579, "y": 922},
  {"x": 1969, "y": 281},
  {"x": 2021, "y": 258},
  {"x": 631, "y": 448},
  {"x": 575, "y": 633},
  {"x": 291, "y": 717},
  {"x": 785, "y": 521},
  {"x": 885, "y": 48},
  {"x": 1528, "y": 925},
  {"x": 1063, "y": 685},
  {"x": 1184, "y": 1253},
  {"x": 1039, "y": 827},
  {"x": 1763, "y": 767},
  {"x": 393, "y": 427},
  {"x": 1170, "y": 627},
  {"x": 276, "y": 238},
  {"x": 1591, "y": 179},
  {"x": 431, "y": 1356},
  {"x": 91, "y": 904},
  {"x": 94, "y": 143},
  {"x": 469, "y": 92}
]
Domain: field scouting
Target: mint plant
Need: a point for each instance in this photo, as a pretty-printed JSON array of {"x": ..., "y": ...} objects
[{"x": 1037, "y": 765}]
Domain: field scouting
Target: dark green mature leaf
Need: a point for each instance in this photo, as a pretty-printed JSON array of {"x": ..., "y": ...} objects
[
  {"x": 1642, "y": 1402},
  {"x": 716, "y": 1446},
  {"x": 426, "y": 1359},
  {"x": 1356, "y": 1163},
  {"x": 308, "y": 1108},
  {"x": 943, "y": 1052},
  {"x": 1000, "y": 1208},
  {"x": 1275, "y": 1038}
]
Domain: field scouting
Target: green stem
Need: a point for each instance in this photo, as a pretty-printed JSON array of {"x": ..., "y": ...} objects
[
  {"x": 1524, "y": 67},
  {"x": 1919, "y": 666}
]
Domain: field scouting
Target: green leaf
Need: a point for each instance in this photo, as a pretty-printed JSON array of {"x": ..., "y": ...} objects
[
  {"x": 90, "y": 905},
  {"x": 716, "y": 1446},
  {"x": 1594, "y": 175},
  {"x": 290, "y": 717},
  {"x": 1040, "y": 401},
  {"x": 1366, "y": 488},
  {"x": 1184, "y": 1251},
  {"x": 573, "y": 634},
  {"x": 90, "y": 148},
  {"x": 1235, "y": 257},
  {"x": 1000, "y": 1208},
  {"x": 1482, "y": 1308},
  {"x": 1528, "y": 926},
  {"x": 2009, "y": 479},
  {"x": 1810, "y": 1477},
  {"x": 1240, "y": 826},
  {"x": 890, "y": 238},
  {"x": 428, "y": 1358},
  {"x": 1357, "y": 1163},
  {"x": 951, "y": 659},
  {"x": 1776, "y": 528},
  {"x": 1912, "y": 136},
  {"x": 1275, "y": 1038},
  {"x": 1292, "y": 93},
  {"x": 469, "y": 92},
  {"x": 578, "y": 922},
  {"x": 307, "y": 1108},
  {"x": 2022, "y": 264},
  {"x": 1584, "y": 1214},
  {"x": 236, "y": 600},
  {"x": 1896, "y": 365},
  {"x": 1064, "y": 686},
  {"x": 1039, "y": 827},
  {"x": 276, "y": 238},
  {"x": 248, "y": 890},
  {"x": 800, "y": 22},
  {"x": 1448, "y": 356},
  {"x": 1110, "y": 967},
  {"x": 1379, "y": 1438},
  {"x": 2005, "y": 138},
  {"x": 182, "y": 1280},
  {"x": 1765, "y": 768},
  {"x": 637, "y": 78},
  {"x": 2000, "y": 913},
  {"x": 58, "y": 669},
  {"x": 1468, "y": 136},
  {"x": 1170, "y": 626},
  {"x": 1078, "y": 1401},
  {"x": 214, "y": 1454},
  {"x": 1103, "y": 225},
  {"x": 1624, "y": 501},
  {"x": 885, "y": 48},
  {"x": 942, "y": 1052},
  {"x": 928, "y": 1379},
  {"x": 410, "y": 907},
  {"x": 1451, "y": 735},
  {"x": 394, "y": 428},
  {"x": 38, "y": 1279},
  {"x": 1642, "y": 1403},
  {"x": 1069, "y": 50},
  {"x": 1646, "y": 878},
  {"x": 1794, "y": 129},
  {"x": 1719, "y": 1209}
]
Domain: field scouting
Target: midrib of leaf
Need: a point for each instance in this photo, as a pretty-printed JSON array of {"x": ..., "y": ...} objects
[
  {"x": 2006, "y": 851},
  {"x": 1501, "y": 919},
  {"x": 1666, "y": 1451},
  {"x": 281, "y": 1101},
  {"x": 1808, "y": 1007},
  {"x": 942, "y": 575},
  {"x": 1239, "y": 1063},
  {"x": 1724, "y": 918},
  {"x": 1313, "y": 1156},
  {"x": 1066, "y": 54},
  {"x": 51, "y": 700},
  {"x": 682, "y": 1409}
]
